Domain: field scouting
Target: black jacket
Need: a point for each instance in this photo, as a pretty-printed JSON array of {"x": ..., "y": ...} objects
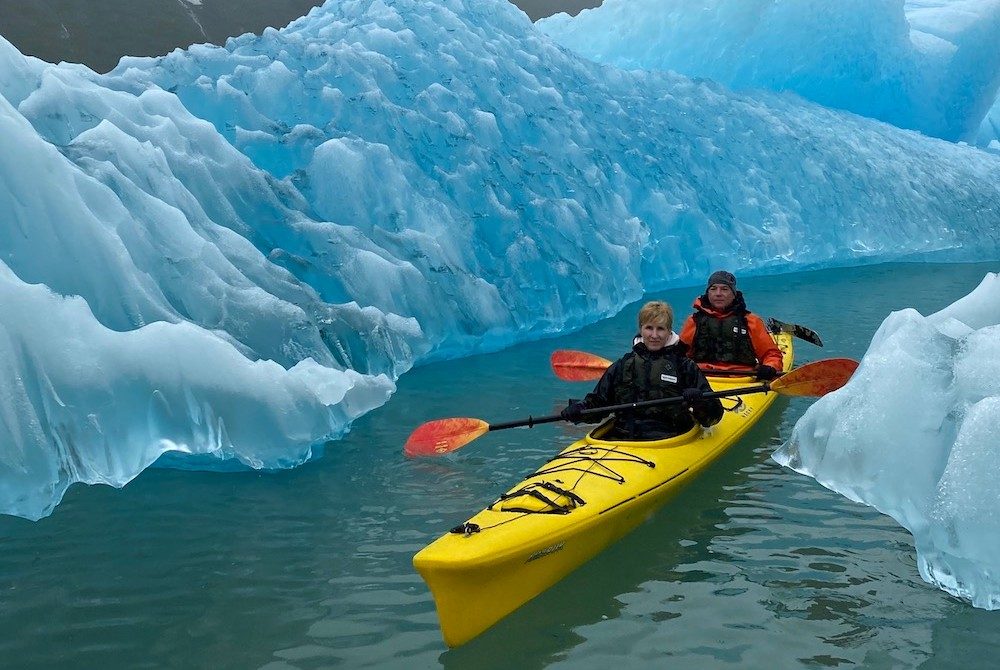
[{"x": 642, "y": 375}]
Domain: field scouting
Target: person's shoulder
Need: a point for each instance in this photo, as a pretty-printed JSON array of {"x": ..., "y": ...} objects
[
  {"x": 611, "y": 375},
  {"x": 621, "y": 360},
  {"x": 755, "y": 322},
  {"x": 678, "y": 350},
  {"x": 685, "y": 362}
]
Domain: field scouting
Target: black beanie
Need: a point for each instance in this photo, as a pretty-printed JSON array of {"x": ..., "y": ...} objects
[{"x": 722, "y": 277}]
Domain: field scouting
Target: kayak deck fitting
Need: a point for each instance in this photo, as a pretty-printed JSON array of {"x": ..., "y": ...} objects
[{"x": 582, "y": 500}]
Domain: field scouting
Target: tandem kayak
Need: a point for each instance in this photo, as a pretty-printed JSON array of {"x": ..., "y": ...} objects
[{"x": 588, "y": 496}]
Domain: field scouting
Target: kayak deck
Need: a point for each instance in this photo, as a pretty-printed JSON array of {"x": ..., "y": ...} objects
[{"x": 586, "y": 497}]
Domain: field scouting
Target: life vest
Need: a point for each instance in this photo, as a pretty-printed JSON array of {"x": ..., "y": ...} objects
[
  {"x": 651, "y": 376},
  {"x": 723, "y": 340}
]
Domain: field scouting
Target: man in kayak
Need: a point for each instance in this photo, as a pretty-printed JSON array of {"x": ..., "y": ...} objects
[
  {"x": 656, "y": 368},
  {"x": 722, "y": 334}
]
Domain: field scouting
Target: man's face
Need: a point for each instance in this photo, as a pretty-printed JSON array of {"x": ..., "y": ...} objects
[{"x": 720, "y": 296}]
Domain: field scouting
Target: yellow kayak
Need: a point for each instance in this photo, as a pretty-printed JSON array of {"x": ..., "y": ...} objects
[{"x": 588, "y": 496}]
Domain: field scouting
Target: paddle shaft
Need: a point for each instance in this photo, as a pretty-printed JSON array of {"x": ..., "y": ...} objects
[
  {"x": 532, "y": 421},
  {"x": 732, "y": 373}
]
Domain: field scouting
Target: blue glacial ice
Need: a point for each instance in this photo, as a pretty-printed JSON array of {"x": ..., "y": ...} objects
[
  {"x": 929, "y": 462},
  {"x": 381, "y": 184},
  {"x": 85, "y": 403},
  {"x": 929, "y": 65}
]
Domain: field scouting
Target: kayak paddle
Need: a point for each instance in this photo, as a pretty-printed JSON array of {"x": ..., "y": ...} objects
[
  {"x": 812, "y": 379},
  {"x": 795, "y": 329},
  {"x": 577, "y": 366}
]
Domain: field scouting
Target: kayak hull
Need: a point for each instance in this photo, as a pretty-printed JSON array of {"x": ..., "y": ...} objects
[{"x": 584, "y": 499}]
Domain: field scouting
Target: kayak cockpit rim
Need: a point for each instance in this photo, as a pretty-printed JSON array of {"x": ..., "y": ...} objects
[{"x": 594, "y": 437}]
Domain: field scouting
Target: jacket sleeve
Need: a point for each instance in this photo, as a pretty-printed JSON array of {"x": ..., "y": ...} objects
[
  {"x": 687, "y": 333},
  {"x": 601, "y": 395},
  {"x": 764, "y": 347},
  {"x": 708, "y": 411}
]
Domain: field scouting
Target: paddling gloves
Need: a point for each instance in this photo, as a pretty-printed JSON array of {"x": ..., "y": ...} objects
[
  {"x": 706, "y": 410},
  {"x": 692, "y": 396},
  {"x": 573, "y": 411},
  {"x": 766, "y": 372}
]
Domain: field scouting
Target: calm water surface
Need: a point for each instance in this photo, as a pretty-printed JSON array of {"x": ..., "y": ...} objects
[{"x": 754, "y": 566}]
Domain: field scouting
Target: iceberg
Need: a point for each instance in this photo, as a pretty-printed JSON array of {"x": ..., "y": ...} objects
[
  {"x": 927, "y": 65},
  {"x": 926, "y": 456},
  {"x": 384, "y": 183},
  {"x": 84, "y": 403}
]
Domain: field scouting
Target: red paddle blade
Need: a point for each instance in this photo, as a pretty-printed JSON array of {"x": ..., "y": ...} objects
[
  {"x": 443, "y": 435},
  {"x": 577, "y": 366},
  {"x": 817, "y": 378}
]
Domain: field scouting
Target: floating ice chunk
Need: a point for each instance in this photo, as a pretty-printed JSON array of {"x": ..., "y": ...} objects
[{"x": 914, "y": 434}]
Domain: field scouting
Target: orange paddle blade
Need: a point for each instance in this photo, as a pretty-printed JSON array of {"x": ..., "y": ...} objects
[
  {"x": 443, "y": 435},
  {"x": 577, "y": 366},
  {"x": 817, "y": 378}
]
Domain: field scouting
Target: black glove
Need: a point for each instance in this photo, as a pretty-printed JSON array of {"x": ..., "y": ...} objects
[
  {"x": 692, "y": 396},
  {"x": 573, "y": 411},
  {"x": 766, "y": 372}
]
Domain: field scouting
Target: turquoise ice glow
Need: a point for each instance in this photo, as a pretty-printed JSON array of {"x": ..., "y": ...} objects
[
  {"x": 929, "y": 65},
  {"x": 232, "y": 252}
]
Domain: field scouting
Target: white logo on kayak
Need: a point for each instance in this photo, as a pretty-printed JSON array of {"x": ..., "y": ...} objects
[{"x": 668, "y": 378}]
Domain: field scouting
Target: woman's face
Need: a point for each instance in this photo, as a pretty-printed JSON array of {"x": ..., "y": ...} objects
[
  {"x": 654, "y": 335},
  {"x": 720, "y": 296}
]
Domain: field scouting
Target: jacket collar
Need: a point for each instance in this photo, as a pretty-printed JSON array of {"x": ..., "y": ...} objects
[{"x": 673, "y": 344}]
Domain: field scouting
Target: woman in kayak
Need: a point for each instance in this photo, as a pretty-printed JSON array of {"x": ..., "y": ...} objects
[
  {"x": 723, "y": 334},
  {"x": 656, "y": 368}
]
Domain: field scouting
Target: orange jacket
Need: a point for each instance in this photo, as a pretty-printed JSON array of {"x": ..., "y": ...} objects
[{"x": 766, "y": 350}]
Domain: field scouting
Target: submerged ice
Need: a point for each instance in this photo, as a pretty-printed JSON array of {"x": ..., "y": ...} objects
[
  {"x": 926, "y": 457},
  {"x": 383, "y": 183}
]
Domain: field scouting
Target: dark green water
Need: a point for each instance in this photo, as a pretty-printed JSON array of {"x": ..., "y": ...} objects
[{"x": 754, "y": 566}]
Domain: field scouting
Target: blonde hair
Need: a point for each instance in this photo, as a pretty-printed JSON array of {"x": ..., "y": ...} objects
[{"x": 657, "y": 312}]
